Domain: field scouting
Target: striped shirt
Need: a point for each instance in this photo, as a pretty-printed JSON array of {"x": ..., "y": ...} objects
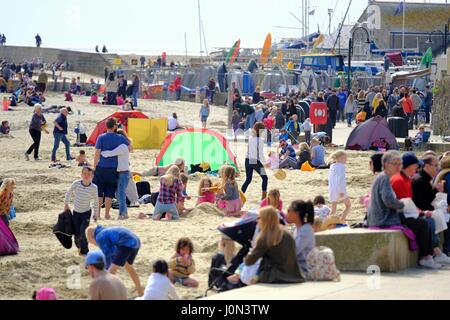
[{"x": 83, "y": 197}]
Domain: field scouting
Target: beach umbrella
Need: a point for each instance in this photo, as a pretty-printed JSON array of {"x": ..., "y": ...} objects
[
  {"x": 234, "y": 52},
  {"x": 266, "y": 49}
]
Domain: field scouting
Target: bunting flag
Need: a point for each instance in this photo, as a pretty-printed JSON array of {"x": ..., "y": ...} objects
[
  {"x": 234, "y": 52},
  {"x": 400, "y": 9}
]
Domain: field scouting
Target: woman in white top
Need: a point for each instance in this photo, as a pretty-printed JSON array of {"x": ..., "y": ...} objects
[
  {"x": 122, "y": 153},
  {"x": 112, "y": 86},
  {"x": 159, "y": 287},
  {"x": 255, "y": 159}
]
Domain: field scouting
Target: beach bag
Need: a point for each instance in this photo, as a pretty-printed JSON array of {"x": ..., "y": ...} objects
[
  {"x": 143, "y": 188},
  {"x": 321, "y": 265},
  {"x": 8, "y": 242}
]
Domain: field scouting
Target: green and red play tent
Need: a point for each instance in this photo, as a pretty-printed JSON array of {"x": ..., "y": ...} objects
[{"x": 197, "y": 146}]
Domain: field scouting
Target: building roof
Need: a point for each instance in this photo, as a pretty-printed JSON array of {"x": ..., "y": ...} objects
[{"x": 419, "y": 16}]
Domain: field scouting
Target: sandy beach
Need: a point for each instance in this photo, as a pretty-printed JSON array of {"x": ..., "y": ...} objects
[{"x": 40, "y": 192}]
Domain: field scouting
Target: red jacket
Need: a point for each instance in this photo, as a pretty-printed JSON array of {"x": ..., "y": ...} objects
[
  {"x": 402, "y": 186},
  {"x": 177, "y": 83},
  {"x": 407, "y": 105}
]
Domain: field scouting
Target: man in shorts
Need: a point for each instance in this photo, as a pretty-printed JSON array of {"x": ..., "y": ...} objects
[
  {"x": 106, "y": 176},
  {"x": 120, "y": 247},
  {"x": 105, "y": 286}
]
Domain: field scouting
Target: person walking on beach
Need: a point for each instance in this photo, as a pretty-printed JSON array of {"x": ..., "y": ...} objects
[
  {"x": 85, "y": 198},
  {"x": 37, "y": 125},
  {"x": 255, "y": 159},
  {"x": 106, "y": 175},
  {"x": 38, "y": 40},
  {"x": 120, "y": 247},
  {"x": 135, "y": 86},
  {"x": 205, "y": 111},
  {"x": 42, "y": 82},
  {"x": 105, "y": 286},
  {"x": 60, "y": 134}
]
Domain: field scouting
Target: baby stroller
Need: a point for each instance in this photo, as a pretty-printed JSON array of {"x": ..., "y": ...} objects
[{"x": 241, "y": 231}]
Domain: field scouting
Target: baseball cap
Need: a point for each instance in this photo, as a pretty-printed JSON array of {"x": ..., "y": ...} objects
[
  {"x": 95, "y": 257},
  {"x": 409, "y": 159},
  {"x": 46, "y": 294}
]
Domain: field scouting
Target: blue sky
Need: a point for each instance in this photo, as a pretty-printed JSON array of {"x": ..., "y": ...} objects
[{"x": 159, "y": 25}]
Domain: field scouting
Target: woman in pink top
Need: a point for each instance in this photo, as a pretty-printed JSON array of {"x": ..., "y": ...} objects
[{"x": 205, "y": 195}]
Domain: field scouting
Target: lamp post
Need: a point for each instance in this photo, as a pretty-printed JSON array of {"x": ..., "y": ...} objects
[
  {"x": 444, "y": 36},
  {"x": 447, "y": 25},
  {"x": 350, "y": 53}
]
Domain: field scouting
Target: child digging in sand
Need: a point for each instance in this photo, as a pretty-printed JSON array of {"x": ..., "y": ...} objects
[
  {"x": 170, "y": 193},
  {"x": 337, "y": 184},
  {"x": 182, "y": 210},
  {"x": 206, "y": 196},
  {"x": 182, "y": 264},
  {"x": 229, "y": 200},
  {"x": 159, "y": 286}
]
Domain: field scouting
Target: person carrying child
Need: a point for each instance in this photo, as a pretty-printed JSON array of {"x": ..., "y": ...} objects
[
  {"x": 182, "y": 265},
  {"x": 85, "y": 197},
  {"x": 6, "y": 198},
  {"x": 159, "y": 286},
  {"x": 170, "y": 193},
  {"x": 301, "y": 214},
  {"x": 204, "y": 192},
  {"x": 230, "y": 200},
  {"x": 337, "y": 183}
]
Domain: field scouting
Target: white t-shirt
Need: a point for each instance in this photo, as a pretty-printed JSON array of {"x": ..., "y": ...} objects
[
  {"x": 173, "y": 124},
  {"x": 123, "y": 157},
  {"x": 159, "y": 287}
]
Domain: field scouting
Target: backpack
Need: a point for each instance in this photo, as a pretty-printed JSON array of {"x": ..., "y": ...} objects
[
  {"x": 322, "y": 266},
  {"x": 143, "y": 188}
]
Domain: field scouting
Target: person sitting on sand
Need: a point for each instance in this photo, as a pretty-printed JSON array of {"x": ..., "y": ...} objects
[
  {"x": 301, "y": 214},
  {"x": 320, "y": 209},
  {"x": 229, "y": 199},
  {"x": 182, "y": 265},
  {"x": 159, "y": 286},
  {"x": 173, "y": 124},
  {"x": 288, "y": 156},
  {"x": 120, "y": 247},
  {"x": 82, "y": 159},
  {"x": 273, "y": 161},
  {"x": 170, "y": 193},
  {"x": 94, "y": 98},
  {"x": 304, "y": 155},
  {"x": 205, "y": 195},
  {"x": 68, "y": 97},
  {"x": 273, "y": 199},
  {"x": 105, "y": 285},
  {"x": 4, "y": 128},
  {"x": 160, "y": 171},
  {"x": 317, "y": 154}
]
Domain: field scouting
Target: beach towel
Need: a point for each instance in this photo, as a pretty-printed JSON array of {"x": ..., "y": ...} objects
[
  {"x": 407, "y": 232},
  {"x": 8, "y": 242}
]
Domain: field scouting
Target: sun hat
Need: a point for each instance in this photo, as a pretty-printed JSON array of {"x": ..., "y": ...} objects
[
  {"x": 95, "y": 257},
  {"x": 329, "y": 221},
  {"x": 280, "y": 174},
  {"x": 46, "y": 294}
]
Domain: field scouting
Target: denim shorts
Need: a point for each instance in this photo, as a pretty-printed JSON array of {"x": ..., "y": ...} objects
[{"x": 161, "y": 208}]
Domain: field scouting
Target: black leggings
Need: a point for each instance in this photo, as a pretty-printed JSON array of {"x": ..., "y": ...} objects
[
  {"x": 423, "y": 234},
  {"x": 259, "y": 168},
  {"x": 36, "y": 136}
]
